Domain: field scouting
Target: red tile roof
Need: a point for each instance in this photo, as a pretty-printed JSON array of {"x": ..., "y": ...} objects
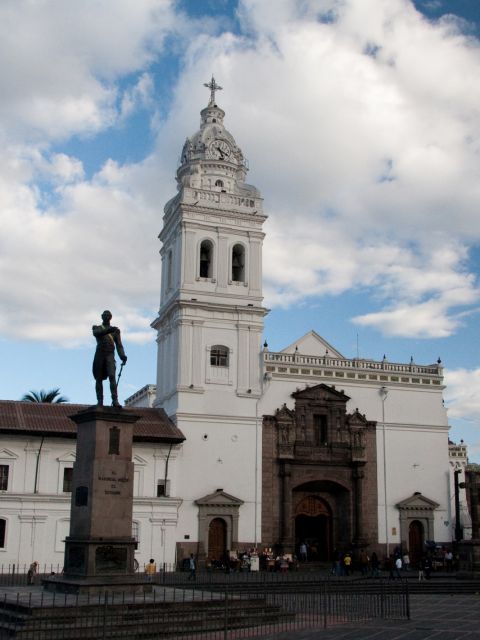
[{"x": 35, "y": 418}]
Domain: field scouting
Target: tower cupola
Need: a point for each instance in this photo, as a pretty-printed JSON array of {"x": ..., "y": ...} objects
[{"x": 211, "y": 159}]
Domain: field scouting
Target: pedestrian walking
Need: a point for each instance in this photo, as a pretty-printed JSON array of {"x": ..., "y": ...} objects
[
  {"x": 347, "y": 563},
  {"x": 192, "y": 565},
  {"x": 421, "y": 571},
  {"x": 151, "y": 570},
  {"x": 449, "y": 560},
  {"x": 303, "y": 552},
  {"x": 31, "y": 573},
  {"x": 398, "y": 568}
]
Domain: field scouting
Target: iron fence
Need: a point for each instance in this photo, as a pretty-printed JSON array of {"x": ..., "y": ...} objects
[
  {"x": 173, "y": 575},
  {"x": 197, "y": 613}
]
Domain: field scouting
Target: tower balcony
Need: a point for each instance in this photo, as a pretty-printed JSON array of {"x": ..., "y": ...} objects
[{"x": 223, "y": 201}]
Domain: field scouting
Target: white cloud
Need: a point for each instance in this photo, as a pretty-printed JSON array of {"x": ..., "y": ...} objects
[
  {"x": 360, "y": 132},
  {"x": 461, "y": 395},
  {"x": 140, "y": 95},
  {"x": 60, "y": 61}
]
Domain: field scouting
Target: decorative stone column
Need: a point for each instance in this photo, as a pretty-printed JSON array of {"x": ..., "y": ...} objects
[
  {"x": 286, "y": 516},
  {"x": 358, "y": 476}
]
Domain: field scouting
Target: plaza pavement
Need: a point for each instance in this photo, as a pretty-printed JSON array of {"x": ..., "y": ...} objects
[{"x": 436, "y": 617}]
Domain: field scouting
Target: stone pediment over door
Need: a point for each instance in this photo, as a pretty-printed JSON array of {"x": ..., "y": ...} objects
[
  {"x": 219, "y": 505},
  {"x": 219, "y": 499},
  {"x": 420, "y": 510},
  {"x": 417, "y": 503}
]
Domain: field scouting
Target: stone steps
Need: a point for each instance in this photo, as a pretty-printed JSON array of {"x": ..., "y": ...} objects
[{"x": 142, "y": 620}]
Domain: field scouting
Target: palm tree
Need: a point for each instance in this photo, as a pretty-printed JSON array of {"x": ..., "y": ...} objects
[{"x": 52, "y": 396}]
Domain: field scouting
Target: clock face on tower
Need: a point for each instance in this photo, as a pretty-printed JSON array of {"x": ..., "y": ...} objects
[{"x": 219, "y": 149}]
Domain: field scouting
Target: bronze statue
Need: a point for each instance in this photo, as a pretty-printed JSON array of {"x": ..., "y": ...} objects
[{"x": 108, "y": 338}]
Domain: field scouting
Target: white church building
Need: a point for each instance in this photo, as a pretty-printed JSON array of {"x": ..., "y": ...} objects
[{"x": 253, "y": 448}]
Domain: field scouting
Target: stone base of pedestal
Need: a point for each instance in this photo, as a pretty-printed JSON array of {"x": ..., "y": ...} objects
[
  {"x": 469, "y": 559},
  {"x": 97, "y": 585},
  {"x": 96, "y": 557}
]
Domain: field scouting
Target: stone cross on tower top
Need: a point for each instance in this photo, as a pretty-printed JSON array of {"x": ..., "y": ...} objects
[{"x": 213, "y": 86}]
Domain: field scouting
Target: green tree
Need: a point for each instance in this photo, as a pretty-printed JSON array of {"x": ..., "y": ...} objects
[{"x": 52, "y": 396}]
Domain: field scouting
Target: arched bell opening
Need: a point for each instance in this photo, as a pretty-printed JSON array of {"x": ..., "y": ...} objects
[
  {"x": 238, "y": 263},
  {"x": 206, "y": 259}
]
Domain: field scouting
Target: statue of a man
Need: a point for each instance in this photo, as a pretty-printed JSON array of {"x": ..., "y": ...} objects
[{"x": 108, "y": 338}]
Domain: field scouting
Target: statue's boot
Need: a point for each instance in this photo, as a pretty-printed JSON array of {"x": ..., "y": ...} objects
[
  {"x": 99, "y": 392},
  {"x": 113, "y": 389}
]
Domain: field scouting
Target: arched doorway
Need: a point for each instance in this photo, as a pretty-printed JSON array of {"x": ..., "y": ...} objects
[
  {"x": 313, "y": 525},
  {"x": 217, "y": 539},
  {"x": 415, "y": 541}
]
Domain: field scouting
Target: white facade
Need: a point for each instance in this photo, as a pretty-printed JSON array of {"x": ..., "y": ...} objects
[{"x": 219, "y": 408}]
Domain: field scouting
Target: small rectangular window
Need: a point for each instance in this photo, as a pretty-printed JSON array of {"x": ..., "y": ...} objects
[
  {"x": 135, "y": 531},
  {"x": 320, "y": 432},
  {"x": 4, "y": 470},
  {"x": 163, "y": 489},
  {"x": 67, "y": 480},
  {"x": 219, "y": 356},
  {"x": 3, "y": 528}
]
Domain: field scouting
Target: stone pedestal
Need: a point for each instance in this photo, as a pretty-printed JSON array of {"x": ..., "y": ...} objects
[{"x": 99, "y": 552}]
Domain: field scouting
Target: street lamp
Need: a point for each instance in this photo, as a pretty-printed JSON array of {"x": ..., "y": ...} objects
[
  {"x": 457, "y": 487},
  {"x": 383, "y": 396}
]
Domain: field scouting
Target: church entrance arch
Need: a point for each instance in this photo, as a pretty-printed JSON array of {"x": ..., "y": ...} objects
[
  {"x": 415, "y": 541},
  {"x": 217, "y": 539},
  {"x": 313, "y": 525}
]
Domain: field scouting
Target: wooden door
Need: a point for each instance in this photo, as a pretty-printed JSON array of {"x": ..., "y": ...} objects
[
  {"x": 415, "y": 542},
  {"x": 217, "y": 539}
]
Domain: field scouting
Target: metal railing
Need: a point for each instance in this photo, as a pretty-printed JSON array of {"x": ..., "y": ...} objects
[
  {"x": 350, "y": 363},
  {"x": 196, "y": 612}
]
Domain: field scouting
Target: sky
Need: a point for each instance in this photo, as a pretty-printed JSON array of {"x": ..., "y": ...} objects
[{"x": 360, "y": 120}]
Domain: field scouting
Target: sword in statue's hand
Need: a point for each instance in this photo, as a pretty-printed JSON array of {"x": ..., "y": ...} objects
[{"x": 120, "y": 372}]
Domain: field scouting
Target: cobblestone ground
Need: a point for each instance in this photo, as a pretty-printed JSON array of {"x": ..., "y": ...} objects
[{"x": 439, "y": 617}]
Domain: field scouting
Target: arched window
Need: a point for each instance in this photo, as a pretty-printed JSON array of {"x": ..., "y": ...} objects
[
  {"x": 219, "y": 183},
  {"x": 206, "y": 259},
  {"x": 219, "y": 356},
  {"x": 3, "y": 529},
  {"x": 238, "y": 263}
]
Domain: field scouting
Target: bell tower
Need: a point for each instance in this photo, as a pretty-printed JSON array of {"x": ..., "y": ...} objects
[
  {"x": 211, "y": 316},
  {"x": 209, "y": 328}
]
